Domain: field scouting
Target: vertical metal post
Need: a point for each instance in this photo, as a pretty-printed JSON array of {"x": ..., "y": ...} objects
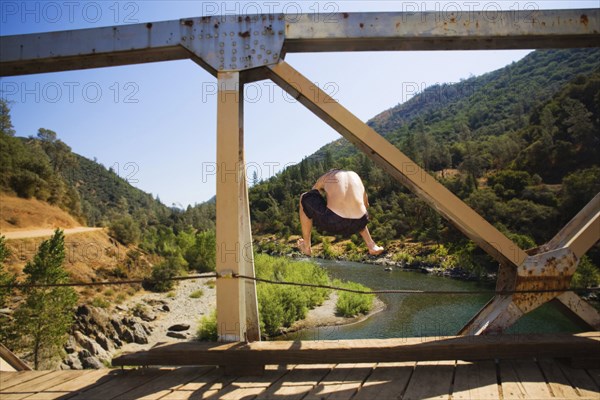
[{"x": 237, "y": 314}]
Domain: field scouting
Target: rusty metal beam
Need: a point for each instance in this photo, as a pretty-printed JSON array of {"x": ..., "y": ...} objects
[
  {"x": 238, "y": 43},
  {"x": 465, "y": 30},
  {"x": 398, "y": 165}
]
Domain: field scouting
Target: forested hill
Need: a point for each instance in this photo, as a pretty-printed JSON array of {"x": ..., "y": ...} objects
[{"x": 521, "y": 145}]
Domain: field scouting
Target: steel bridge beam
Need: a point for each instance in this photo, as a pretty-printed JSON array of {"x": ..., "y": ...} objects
[{"x": 237, "y": 43}]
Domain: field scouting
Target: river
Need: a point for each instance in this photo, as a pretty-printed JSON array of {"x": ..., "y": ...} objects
[{"x": 418, "y": 315}]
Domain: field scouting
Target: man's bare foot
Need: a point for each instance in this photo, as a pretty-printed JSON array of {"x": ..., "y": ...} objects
[
  {"x": 303, "y": 247},
  {"x": 376, "y": 250}
]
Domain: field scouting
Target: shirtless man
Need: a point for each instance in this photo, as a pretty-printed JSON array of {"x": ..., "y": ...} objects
[{"x": 344, "y": 212}]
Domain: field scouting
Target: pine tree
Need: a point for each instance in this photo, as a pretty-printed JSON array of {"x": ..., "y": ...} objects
[
  {"x": 46, "y": 315},
  {"x": 6, "y": 281}
]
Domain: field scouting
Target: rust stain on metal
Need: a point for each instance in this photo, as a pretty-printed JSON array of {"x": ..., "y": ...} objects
[
  {"x": 584, "y": 19},
  {"x": 244, "y": 34},
  {"x": 397, "y": 25},
  {"x": 453, "y": 20},
  {"x": 189, "y": 22}
]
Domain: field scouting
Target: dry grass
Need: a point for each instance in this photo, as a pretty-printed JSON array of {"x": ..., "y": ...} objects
[{"x": 19, "y": 214}]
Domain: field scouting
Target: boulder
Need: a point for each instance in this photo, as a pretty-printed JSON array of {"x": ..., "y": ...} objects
[
  {"x": 179, "y": 327},
  {"x": 91, "y": 363},
  {"x": 177, "y": 335},
  {"x": 73, "y": 361},
  {"x": 139, "y": 333},
  {"x": 166, "y": 308}
]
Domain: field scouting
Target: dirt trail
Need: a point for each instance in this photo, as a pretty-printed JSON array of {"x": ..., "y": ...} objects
[{"x": 33, "y": 233}]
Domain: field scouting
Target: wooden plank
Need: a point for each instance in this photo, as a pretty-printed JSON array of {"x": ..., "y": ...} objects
[
  {"x": 251, "y": 386},
  {"x": 557, "y": 381},
  {"x": 510, "y": 382},
  {"x": 165, "y": 384},
  {"x": 369, "y": 351},
  {"x": 431, "y": 380},
  {"x": 120, "y": 384},
  {"x": 28, "y": 389},
  {"x": 11, "y": 379},
  {"x": 531, "y": 379},
  {"x": 27, "y": 384},
  {"x": 86, "y": 381},
  {"x": 475, "y": 380},
  {"x": 388, "y": 381},
  {"x": 201, "y": 387},
  {"x": 342, "y": 382},
  {"x": 298, "y": 382},
  {"x": 585, "y": 386}
]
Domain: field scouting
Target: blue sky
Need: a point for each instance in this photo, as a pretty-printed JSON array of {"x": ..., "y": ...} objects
[{"x": 155, "y": 124}]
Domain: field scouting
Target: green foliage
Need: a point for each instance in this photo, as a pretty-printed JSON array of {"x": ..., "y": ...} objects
[
  {"x": 196, "y": 294},
  {"x": 201, "y": 255},
  {"x": 159, "y": 280},
  {"x": 6, "y": 279},
  {"x": 280, "y": 306},
  {"x": 100, "y": 302},
  {"x": 207, "y": 329},
  {"x": 587, "y": 274},
  {"x": 47, "y": 313},
  {"x": 125, "y": 230},
  {"x": 329, "y": 252},
  {"x": 352, "y": 304}
]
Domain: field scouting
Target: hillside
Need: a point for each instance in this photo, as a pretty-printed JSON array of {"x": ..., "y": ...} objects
[{"x": 18, "y": 214}]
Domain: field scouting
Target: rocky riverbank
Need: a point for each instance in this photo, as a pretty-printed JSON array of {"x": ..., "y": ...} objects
[{"x": 146, "y": 319}]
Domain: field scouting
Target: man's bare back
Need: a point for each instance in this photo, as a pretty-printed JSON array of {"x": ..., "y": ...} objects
[
  {"x": 344, "y": 212},
  {"x": 345, "y": 193}
]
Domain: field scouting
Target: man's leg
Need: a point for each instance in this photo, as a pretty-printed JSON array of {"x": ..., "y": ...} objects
[
  {"x": 371, "y": 245},
  {"x": 306, "y": 223}
]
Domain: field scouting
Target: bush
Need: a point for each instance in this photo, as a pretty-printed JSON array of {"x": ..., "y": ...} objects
[
  {"x": 160, "y": 279},
  {"x": 280, "y": 306},
  {"x": 587, "y": 274},
  {"x": 202, "y": 256},
  {"x": 197, "y": 294},
  {"x": 125, "y": 230},
  {"x": 351, "y": 304},
  {"x": 207, "y": 330}
]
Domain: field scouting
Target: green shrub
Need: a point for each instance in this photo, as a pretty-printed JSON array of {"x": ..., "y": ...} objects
[
  {"x": 125, "y": 230},
  {"x": 351, "y": 304},
  {"x": 207, "y": 330},
  {"x": 160, "y": 279},
  {"x": 197, "y": 294},
  {"x": 100, "y": 302},
  {"x": 280, "y": 306},
  {"x": 587, "y": 274}
]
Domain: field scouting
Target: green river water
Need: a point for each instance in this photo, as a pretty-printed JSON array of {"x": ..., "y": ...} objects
[{"x": 418, "y": 315}]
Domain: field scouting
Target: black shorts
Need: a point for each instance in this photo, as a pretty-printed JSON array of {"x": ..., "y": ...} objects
[{"x": 315, "y": 208}]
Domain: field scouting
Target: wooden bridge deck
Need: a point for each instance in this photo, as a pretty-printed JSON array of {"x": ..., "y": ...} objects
[{"x": 504, "y": 379}]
